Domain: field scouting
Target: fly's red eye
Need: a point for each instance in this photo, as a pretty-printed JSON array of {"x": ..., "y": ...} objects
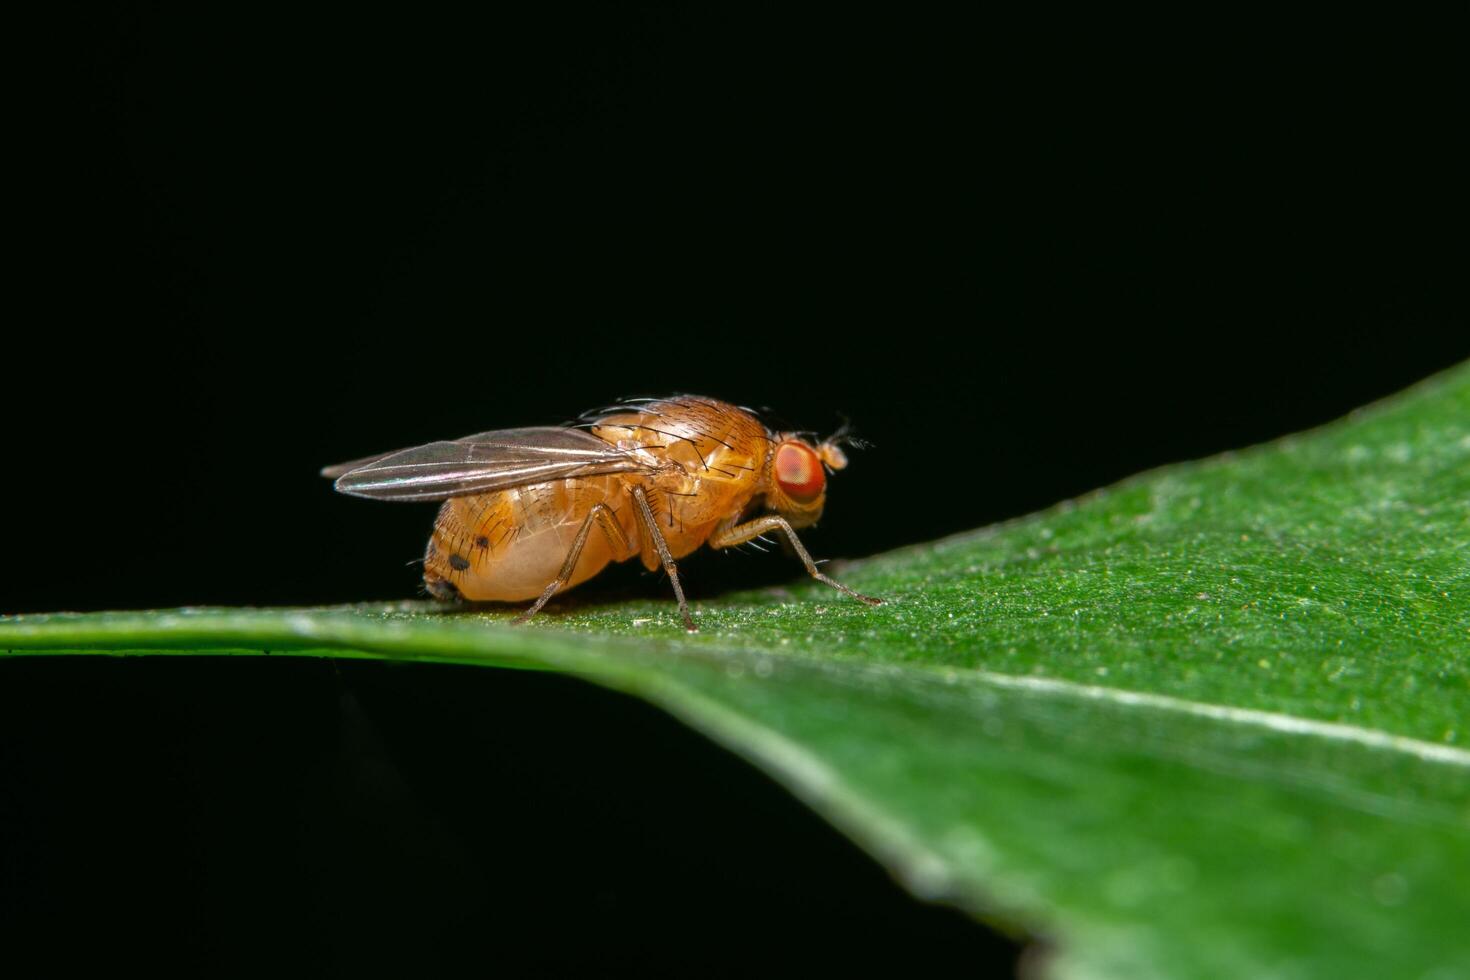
[{"x": 799, "y": 473}]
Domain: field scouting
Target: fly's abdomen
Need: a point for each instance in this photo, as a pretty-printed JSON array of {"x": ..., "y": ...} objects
[{"x": 509, "y": 545}]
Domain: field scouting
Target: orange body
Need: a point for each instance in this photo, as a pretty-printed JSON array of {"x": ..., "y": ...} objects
[{"x": 710, "y": 462}]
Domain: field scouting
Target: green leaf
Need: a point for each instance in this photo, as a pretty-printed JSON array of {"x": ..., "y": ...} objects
[{"x": 1209, "y": 722}]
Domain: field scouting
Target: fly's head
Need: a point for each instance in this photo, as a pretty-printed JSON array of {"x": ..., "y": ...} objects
[{"x": 797, "y": 479}]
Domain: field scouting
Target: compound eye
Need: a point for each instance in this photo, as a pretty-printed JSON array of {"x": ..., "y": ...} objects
[{"x": 799, "y": 472}]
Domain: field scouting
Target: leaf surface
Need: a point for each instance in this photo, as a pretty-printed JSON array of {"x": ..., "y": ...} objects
[{"x": 1209, "y": 722}]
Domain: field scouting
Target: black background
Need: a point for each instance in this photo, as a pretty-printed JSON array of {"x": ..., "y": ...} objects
[{"x": 1026, "y": 257}]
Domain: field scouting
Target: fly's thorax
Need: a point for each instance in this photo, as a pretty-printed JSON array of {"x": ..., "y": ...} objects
[
  {"x": 704, "y": 459},
  {"x": 693, "y": 445}
]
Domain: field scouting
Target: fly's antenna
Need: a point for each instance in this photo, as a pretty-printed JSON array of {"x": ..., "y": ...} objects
[
  {"x": 846, "y": 435},
  {"x": 830, "y": 448}
]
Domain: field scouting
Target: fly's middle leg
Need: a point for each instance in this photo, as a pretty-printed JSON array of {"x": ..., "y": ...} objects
[
  {"x": 650, "y": 526},
  {"x": 601, "y": 514},
  {"x": 731, "y": 534}
]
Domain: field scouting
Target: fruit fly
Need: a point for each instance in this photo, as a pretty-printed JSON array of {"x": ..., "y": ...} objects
[{"x": 528, "y": 513}]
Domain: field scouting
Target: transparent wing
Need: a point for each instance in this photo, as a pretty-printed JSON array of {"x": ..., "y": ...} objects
[{"x": 481, "y": 463}]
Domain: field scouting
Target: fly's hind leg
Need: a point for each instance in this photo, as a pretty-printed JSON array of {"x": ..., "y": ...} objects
[
  {"x": 650, "y": 526},
  {"x": 601, "y": 514},
  {"x": 730, "y": 534}
]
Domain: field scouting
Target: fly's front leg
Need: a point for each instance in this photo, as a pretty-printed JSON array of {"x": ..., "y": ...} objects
[
  {"x": 730, "y": 534},
  {"x": 650, "y": 527},
  {"x": 600, "y": 513}
]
